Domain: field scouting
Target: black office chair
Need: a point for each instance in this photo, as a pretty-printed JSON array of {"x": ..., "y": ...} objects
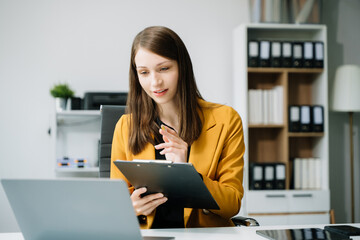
[{"x": 109, "y": 117}]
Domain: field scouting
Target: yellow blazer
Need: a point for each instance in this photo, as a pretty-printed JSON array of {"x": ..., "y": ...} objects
[{"x": 217, "y": 155}]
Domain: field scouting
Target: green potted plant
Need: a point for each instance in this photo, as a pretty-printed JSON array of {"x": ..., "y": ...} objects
[{"x": 61, "y": 92}]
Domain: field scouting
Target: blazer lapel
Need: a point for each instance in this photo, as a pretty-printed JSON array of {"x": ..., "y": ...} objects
[{"x": 202, "y": 151}]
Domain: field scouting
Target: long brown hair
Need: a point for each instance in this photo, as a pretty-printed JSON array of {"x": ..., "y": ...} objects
[{"x": 142, "y": 109}]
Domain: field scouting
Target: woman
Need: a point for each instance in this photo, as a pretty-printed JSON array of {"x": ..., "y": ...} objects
[{"x": 168, "y": 119}]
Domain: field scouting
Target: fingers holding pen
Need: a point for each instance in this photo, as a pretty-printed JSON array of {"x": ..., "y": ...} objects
[
  {"x": 174, "y": 148},
  {"x": 168, "y": 134}
]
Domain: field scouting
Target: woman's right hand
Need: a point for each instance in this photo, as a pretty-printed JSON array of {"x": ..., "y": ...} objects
[{"x": 147, "y": 204}]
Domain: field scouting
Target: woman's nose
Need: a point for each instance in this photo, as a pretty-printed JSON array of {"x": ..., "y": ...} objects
[{"x": 156, "y": 79}]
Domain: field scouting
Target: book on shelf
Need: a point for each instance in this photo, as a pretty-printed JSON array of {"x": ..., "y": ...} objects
[
  {"x": 264, "y": 59},
  {"x": 266, "y": 106},
  {"x": 269, "y": 176},
  {"x": 305, "y": 118},
  {"x": 317, "y": 113},
  {"x": 307, "y": 173},
  {"x": 256, "y": 176},
  {"x": 297, "y": 49},
  {"x": 275, "y": 56},
  {"x": 266, "y": 102},
  {"x": 308, "y": 54},
  {"x": 294, "y": 118},
  {"x": 319, "y": 55},
  {"x": 280, "y": 173},
  {"x": 286, "y": 59}
]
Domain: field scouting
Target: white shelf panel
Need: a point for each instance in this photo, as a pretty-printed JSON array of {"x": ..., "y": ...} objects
[
  {"x": 288, "y": 201},
  {"x": 77, "y": 170},
  {"x": 79, "y": 113},
  {"x": 77, "y": 116},
  {"x": 283, "y": 26}
]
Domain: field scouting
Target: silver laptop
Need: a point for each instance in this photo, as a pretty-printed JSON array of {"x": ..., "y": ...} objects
[{"x": 90, "y": 209}]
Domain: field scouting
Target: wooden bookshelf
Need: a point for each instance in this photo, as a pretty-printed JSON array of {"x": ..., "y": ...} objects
[{"x": 273, "y": 143}]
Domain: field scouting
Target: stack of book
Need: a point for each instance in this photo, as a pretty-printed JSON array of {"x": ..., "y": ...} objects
[
  {"x": 307, "y": 173},
  {"x": 266, "y": 106}
]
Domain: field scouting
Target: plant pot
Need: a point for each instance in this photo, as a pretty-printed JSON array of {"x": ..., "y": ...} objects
[{"x": 60, "y": 104}]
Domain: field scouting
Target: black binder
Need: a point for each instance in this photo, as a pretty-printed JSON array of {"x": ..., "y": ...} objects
[
  {"x": 264, "y": 53},
  {"x": 298, "y": 56},
  {"x": 305, "y": 118},
  {"x": 319, "y": 55},
  {"x": 294, "y": 118},
  {"x": 317, "y": 118},
  {"x": 269, "y": 176},
  {"x": 280, "y": 175},
  {"x": 286, "y": 51},
  {"x": 275, "y": 60},
  {"x": 308, "y": 54},
  {"x": 256, "y": 175},
  {"x": 253, "y": 53}
]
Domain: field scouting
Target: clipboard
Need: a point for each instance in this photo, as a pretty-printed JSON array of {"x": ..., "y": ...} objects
[{"x": 179, "y": 182}]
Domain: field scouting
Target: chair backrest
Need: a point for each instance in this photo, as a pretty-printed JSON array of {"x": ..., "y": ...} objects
[{"x": 110, "y": 115}]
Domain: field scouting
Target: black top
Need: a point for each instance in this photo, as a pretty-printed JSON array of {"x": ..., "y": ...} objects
[{"x": 167, "y": 216}]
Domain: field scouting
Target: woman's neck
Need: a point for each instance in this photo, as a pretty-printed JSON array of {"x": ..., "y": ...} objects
[{"x": 169, "y": 114}]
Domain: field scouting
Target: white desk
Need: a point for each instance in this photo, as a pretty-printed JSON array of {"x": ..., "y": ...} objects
[{"x": 227, "y": 233}]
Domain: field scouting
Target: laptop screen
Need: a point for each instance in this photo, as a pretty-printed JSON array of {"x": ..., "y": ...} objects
[{"x": 90, "y": 209}]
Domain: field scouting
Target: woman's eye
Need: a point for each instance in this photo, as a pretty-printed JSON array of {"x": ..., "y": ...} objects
[
  {"x": 143, "y": 72},
  {"x": 164, "y": 68}
]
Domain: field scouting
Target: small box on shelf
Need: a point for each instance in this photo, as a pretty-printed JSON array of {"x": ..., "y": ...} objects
[{"x": 67, "y": 162}]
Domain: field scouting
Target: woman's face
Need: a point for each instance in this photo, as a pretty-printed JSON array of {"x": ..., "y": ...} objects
[{"x": 158, "y": 76}]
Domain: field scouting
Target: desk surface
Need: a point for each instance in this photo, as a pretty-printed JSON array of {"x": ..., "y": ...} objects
[{"x": 226, "y": 233}]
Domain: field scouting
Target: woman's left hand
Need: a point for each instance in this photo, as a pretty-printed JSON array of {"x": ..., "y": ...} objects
[{"x": 174, "y": 148}]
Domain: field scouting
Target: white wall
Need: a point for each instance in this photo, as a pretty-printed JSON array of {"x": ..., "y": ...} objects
[
  {"x": 87, "y": 44},
  {"x": 342, "y": 19}
]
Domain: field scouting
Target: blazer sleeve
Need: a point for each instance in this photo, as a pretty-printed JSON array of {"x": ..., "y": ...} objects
[
  {"x": 227, "y": 188},
  {"x": 118, "y": 149}
]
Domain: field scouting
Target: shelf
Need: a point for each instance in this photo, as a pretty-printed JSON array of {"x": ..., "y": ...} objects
[
  {"x": 290, "y": 191},
  {"x": 266, "y": 126},
  {"x": 78, "y": 113},
  {"x": 284, "y": 27},
  {"x": 288, "y": 70},
  {"x": 77, "y": 117},
  {"x": 307, "y": 134},
  {"x": 77, "y": 170}
]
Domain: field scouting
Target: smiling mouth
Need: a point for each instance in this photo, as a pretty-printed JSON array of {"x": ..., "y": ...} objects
[{"x": 161, "y": 91}]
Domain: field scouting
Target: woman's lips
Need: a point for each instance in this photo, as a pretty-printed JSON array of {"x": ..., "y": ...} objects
[{"x": 160, "y": 92}]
